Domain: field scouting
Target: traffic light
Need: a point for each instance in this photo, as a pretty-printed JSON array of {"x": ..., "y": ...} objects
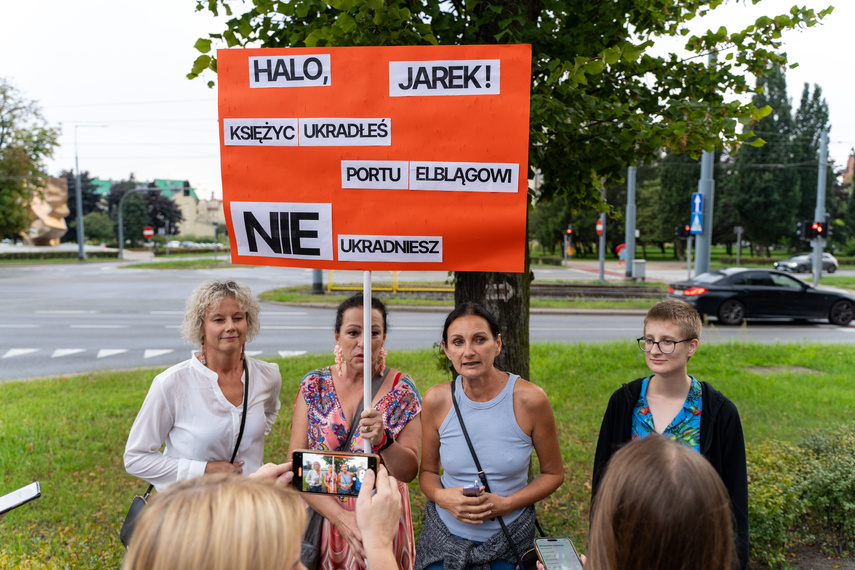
[
  {"x": 682, "y": 232},
  {"x": 816, "y": 230},
  {"x": 570, "y": 229},
  {"x": 802, "y": 230}
]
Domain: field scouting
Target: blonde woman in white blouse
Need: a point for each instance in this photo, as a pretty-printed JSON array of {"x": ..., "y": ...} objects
[{"x": 195, "y": 407}]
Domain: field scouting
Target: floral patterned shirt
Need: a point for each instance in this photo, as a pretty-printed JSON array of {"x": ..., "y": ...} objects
[
  {"x": 327, "y": 425},
  {"x": 685, "y": 428}
]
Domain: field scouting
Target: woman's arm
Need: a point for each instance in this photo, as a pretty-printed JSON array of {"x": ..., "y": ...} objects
[
  {"x": 272, "y": 403},
  {"x": 402, "y": 457},
  {"x": 151, "y": 427},
  {"x": 328, "y": 507},
  {"x": 534, "y": 413},
  {"x": 472, "y": 510}
]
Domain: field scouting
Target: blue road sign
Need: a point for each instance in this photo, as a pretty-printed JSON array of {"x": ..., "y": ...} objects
[
  {"x": 697, "y": 203},
  {"x": 697, "y": 225}
]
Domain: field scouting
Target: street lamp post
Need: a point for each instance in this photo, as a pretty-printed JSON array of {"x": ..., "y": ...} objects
[{"x": 78, "y": 197}]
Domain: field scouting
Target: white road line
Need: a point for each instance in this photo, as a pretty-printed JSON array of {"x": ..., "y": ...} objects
[
  {"x": 60, "y": 352},
  {"x": 19, "y": 326},
  {"x": 13, "y": 352},
  {"x": 296, "y": 328},
  {"x": 105, "y": 352},
  {"x": 273, "y": 314},
  {"x": 99, "y": 326},
  {"x": 252, "y": 352},
  {"x": 69, "y": 312},
  {"x": 151, "y": 353},
  {"x": 166, "y": 312},
  {"x": 290, "y": 353}
]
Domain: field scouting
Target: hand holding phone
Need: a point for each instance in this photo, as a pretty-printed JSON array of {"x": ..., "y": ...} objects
[
  {"x": 557, "y": 554},
  {"x": 19, "y": 497}
]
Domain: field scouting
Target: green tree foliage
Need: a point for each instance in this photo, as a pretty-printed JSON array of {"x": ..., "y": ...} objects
[
  {"x": 26, "y": 141},
  {"x": 91, "y": 200},
  {"x": 163, "y": 212},
  {"x": 599, "y": 100},
  {"x": 769, "y": 192},
  {"x": 99, "y": 227}
]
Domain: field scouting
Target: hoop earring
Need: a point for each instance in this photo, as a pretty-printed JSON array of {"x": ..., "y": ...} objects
[{"x": 339, "y": 359}]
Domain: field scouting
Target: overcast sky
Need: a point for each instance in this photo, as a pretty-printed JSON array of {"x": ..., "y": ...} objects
[{"x": 117, "y": 69}]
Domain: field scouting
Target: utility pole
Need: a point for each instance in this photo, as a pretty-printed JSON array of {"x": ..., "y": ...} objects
[
  {"x": 819, "y": 213},
  {"x": 629, "y": 235},
  {"x": 706, "y": 186}
]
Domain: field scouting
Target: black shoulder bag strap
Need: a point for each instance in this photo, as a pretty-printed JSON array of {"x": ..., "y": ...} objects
[
  {"x": 243, "y": 416},
  {"x": 481, "y": 475}
]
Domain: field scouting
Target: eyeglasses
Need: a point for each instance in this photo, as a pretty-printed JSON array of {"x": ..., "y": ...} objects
[{"x": 665, "y": 346}]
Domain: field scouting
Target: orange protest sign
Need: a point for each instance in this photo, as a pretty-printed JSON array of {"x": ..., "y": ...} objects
[{"x": 376, "y": 158}]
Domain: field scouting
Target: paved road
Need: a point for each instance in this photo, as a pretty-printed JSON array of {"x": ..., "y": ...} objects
[{"x": 71, "y": 318}]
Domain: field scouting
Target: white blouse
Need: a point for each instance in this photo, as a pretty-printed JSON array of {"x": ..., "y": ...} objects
[{"x": 186, "y": 410}]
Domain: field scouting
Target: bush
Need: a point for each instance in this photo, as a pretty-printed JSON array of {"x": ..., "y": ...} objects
[
  {"x": 776, "y": 475},
  {"x": 50, "y": 254},
  {"x": 831, "y": 489}
]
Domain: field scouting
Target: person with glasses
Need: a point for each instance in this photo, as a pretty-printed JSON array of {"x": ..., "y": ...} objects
[{"x": 671, "y": 402}]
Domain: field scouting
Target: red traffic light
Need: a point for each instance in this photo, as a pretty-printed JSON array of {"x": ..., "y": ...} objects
[
  {"x": 817, "y": 228},
  {"x": 569, "y": 231}
]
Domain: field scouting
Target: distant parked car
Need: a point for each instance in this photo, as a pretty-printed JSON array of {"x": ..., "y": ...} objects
[
  {"x": 735, "y": 294},
  {"x": 804, "y": 263},
  {"x": 173, "y": 244}
]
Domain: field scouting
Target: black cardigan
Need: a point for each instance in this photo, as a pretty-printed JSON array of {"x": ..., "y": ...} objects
[{"x": 721, "y": 443}]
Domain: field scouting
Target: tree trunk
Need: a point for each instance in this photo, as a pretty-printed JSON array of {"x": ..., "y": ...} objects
[{"x": 506, "y": 296}]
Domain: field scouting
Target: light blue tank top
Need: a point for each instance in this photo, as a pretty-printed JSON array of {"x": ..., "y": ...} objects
[{"x": 503, "y": 449}]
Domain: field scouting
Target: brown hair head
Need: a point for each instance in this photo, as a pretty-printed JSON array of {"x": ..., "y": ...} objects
[
  {"x": 660, "y": 505},
  {"x": 679, "y": 313}
]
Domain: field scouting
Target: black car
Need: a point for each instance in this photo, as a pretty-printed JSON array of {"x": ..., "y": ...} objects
[{"x": 734, "y": 294}]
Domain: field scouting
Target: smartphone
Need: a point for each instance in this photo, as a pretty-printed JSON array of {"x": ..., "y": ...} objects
[
  {"x": 557, "y": 554},
  {"x": 472, "y": 490},
  {"x": 331, "y": 472},
  {"x": 19, "y": 497}
]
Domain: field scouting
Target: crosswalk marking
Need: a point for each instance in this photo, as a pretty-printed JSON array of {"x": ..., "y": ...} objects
[
  {"x": 151, "y": 353},
  {"x": 13, "y": 352},
  {"x": 290, "y": 353},
  {"x": 60, "y": 352},
  {"x": 105, "y": 352}
]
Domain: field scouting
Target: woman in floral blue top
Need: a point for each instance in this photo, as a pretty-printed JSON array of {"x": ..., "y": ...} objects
[{"x": 678, "y": 406}]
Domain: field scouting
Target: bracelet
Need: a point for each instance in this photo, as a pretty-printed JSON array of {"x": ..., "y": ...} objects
[{"x": 388, "y": 440}]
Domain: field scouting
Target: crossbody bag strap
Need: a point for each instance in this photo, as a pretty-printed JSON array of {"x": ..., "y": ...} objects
[
  {"x": 481, "y": 475},
  {"x": 243, "y": 415},
  {"x": 376, "y": 382}
]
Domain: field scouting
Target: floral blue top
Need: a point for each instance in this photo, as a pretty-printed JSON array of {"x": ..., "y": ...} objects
[{"x": 685, "y": 428}]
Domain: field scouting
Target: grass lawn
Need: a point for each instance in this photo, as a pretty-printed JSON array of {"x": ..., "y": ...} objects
[{"x": 70, "y": 433}]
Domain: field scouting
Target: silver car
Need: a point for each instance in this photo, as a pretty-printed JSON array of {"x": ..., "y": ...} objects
[{"x": 804, "y": 263}]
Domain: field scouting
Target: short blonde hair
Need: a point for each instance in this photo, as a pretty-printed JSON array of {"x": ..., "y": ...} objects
[
  {"x": 207, "y": 297},
  {"x": 679, "y": 313},
  {"x": 218, "y": 522}
]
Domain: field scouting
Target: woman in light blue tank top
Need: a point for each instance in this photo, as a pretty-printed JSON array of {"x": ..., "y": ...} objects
[{"x": 506, "y": 417}]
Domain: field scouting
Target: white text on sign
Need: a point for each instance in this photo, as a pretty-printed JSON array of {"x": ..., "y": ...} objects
[
  {"x": 290, "y": 71},
  {"x": 307, "y": 132},
  {"x": 422, "y": 249},
  {"x": 442, "y": 176},
  {"x": 444, "y": 78},
  {"x": 276, "y": 229}
]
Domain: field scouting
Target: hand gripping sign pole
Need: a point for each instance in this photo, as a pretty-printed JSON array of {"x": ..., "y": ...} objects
[{"x": 367, "y": 363}]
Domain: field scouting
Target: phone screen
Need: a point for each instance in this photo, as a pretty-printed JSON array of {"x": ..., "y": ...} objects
[
  {"x": 557, "y": 554},
  {"x": 332, "y": 472},
  {"x": 19, "y": 497}
]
